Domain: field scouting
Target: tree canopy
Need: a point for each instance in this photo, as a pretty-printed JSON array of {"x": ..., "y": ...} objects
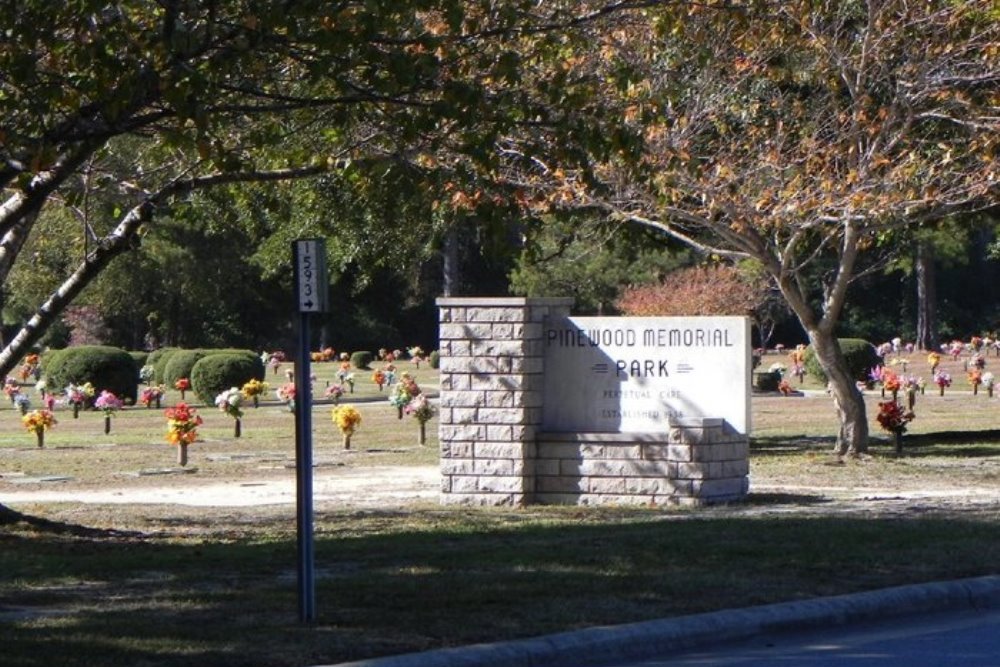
[
  {"x": 121, "y": 112},
  {"x": 800, "y": 134}
]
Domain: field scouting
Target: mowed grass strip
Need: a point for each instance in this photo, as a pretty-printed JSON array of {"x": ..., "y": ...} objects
[{"x": 196, "y": 590}]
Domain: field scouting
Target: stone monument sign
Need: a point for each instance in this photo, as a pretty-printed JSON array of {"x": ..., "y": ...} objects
[{"x": 640, "y": 375}]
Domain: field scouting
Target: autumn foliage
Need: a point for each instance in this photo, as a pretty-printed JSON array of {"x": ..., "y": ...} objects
[{"x": 716, "y": 289}]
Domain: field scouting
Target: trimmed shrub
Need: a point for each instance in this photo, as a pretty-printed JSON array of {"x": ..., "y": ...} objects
[
  {"x": 860, "y": 355},
  {"x": 140, "y": 357},
  {"x": 46, "y": 359},
  {"x": 180, "y": 364},
  {"x": 434, "y": 359},
  {"x": 158, "y": 359},
  {"x": 214, "y": 373},
  {"x": 362, "y": 360},
  {"x": 107, "y": 368}
]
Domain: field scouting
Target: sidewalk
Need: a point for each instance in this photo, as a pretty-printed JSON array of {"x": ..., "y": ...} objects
[{"x": 635, "y": 641}]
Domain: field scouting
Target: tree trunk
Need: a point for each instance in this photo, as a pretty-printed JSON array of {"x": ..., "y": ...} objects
[
  {"x": 926, "y": 297},
  {"x": 451, "y": 268},
  {"x": 852, "y": 438}
]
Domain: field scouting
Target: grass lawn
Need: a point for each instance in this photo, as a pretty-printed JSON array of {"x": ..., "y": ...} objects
[{"x": 175, "y": 585}]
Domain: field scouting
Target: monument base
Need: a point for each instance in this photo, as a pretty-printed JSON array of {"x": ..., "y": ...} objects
[{"x": 695, "y": 463}]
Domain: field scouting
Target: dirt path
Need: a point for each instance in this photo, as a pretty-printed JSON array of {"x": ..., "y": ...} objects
[
  {"x": 345, "y": 486},
  {"x": 349, "y": 487}
]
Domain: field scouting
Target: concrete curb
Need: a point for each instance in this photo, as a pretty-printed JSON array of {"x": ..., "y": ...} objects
[{"x": 636, "y": 641}]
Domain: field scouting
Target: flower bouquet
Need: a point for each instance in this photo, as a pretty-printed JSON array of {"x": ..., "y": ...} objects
[
  {"x": 378, "y": 377},
  {"x": 988, "y": 381},
  {"x": 892, "y": 418},
  {"x": 334, "y": 392},
  {"x": 347, "y": 419},
  {"x": 933, "y": 360},
  {"x": 416, "y": 355},
  {"x": 182, "y": 385},
  {"x": 975, "y": 377},
  {"x": 21, "y": 402},
  {"x": 147, "y": 373},
  {"x": 891, "y": 383},
  {"x": 421, "y": 410},
  {"x": 108, "y": 403},
  {"x": 229, "y": 402},
  {"x": 253, "y": 389},
  {"x": 400, "y": 397},
  {"x": 182, "y": 429},
  {"x": 942, "y": 380},
  {"x": 286, "y": 394},
  {"x": 152, "y": 394},
  {"x": 38, "y": 422},
  {"x": 11, "y": 387},
  {"x": 78, "y": 395}
]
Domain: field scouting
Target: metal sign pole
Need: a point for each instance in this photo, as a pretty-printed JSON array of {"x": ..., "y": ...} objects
[
  {"x": 309, "y": 259},
  {"x": 303, "y": 477}
]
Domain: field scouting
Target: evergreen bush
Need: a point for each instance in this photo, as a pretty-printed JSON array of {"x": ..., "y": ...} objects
[
  {"x": 107, "y": 368},
  {"x": 362, "y": 360},
  {"x": 434, "y": 359},
  {"x": 158, "y": 359},
  {"x": 216, "y": 372},
  {"x": 860, "y": 355},
  {"x": 180, "y": 364}
]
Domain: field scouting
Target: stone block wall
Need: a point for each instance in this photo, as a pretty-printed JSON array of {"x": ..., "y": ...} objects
[
  {"x": 692, "y": 463},
  {"x": 492, "y": 358}
]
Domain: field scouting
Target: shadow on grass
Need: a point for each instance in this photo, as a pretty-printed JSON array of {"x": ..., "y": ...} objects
[
  {"x": 10, "y": 518},
  {"x": 960, "y": 444},
  {"x": 397, "y": 582}
]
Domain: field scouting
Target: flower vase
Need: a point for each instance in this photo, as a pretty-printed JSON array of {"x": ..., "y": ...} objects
[
  {"x": 883, "y": 392},
  {"x": 256, "y": 401},
  {"x": 422, "y": 437},
  {"x": 107, "y": 424},
  {"x": 975, "y": 389},
  {"x": 158, "y": 402},
  {"x": 911, "y": 398},
  {"x": 183, "y": 392},
  {"x": 182, "y": 454},
  {"x": 23, "y": 407},
  {"x": 989, "y": 391},
  {"x": 237, "y": 428},
  {"x": 895, "y": 396},
  {"x": 399, "y": 411},
  {"x": 76, "y": 411},
  {"x": 940, "y": 390},
  {"x": 922, "y": 391},
  {"x": 40, "y": 436},
  {"x": 898, "y": 440},
  {"x": 347, "y": 441}
]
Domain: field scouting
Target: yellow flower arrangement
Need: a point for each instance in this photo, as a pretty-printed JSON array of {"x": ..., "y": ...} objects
[
  {"x": 254, "y": 388},
  {"x": 347, "y": 418},
  {"x": 38, "y": 420}
]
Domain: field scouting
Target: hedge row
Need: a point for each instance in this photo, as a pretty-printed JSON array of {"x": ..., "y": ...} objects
[{"x": 115, "y": 370}]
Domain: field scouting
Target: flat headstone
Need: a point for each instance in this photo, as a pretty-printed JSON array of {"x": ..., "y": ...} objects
[
  {"x": 165, "y": 471},
  {"x": 41, "y": 479}
]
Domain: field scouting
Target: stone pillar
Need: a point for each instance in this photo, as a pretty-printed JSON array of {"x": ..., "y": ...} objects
[{"x": 492, "y": 360}]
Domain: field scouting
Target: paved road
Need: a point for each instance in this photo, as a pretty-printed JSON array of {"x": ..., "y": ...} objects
[
  {"x": 944, "y": 624},
  {"x": 959, "y": 639}
]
